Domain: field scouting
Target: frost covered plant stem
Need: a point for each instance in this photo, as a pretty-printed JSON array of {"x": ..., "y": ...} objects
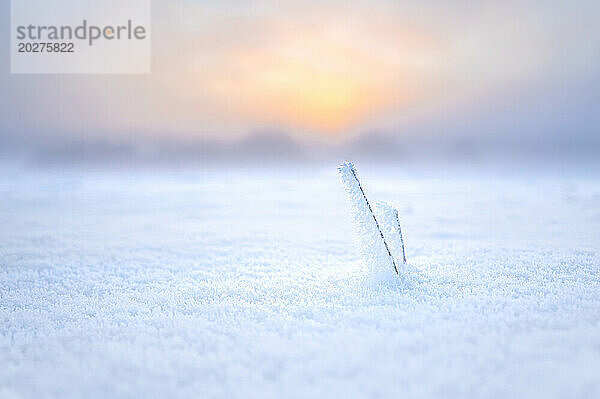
[
  {"x": 400, "y": 234},
  {"x": 363, "y": 215}
]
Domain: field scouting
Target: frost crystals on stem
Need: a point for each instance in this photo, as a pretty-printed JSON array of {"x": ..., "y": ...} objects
[{"x": 373, "y": 244}]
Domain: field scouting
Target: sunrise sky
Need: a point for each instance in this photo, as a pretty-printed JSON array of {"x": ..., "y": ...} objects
[{"x": 328, "y": 71}]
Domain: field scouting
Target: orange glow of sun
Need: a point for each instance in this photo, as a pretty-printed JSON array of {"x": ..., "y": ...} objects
[{"x": 321, "y": 81}]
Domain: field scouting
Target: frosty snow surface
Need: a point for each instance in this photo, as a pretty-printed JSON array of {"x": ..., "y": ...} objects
[{"x": 245, "y": 284}]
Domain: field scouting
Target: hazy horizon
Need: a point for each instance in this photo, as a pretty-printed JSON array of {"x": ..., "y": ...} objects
[{"x": 327, "y": 80}]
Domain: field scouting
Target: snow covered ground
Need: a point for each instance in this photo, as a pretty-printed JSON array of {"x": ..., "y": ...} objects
[{"x": 248, "y": 284}]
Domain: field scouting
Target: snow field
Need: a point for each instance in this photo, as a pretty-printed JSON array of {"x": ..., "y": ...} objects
[{"x": 249, "y": 284}]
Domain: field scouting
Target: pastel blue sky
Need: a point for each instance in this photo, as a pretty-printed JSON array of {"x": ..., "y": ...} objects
[{"x": 326, "y": 71}]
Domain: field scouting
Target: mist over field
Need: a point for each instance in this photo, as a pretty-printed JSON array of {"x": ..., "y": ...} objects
[
  {"x": 184, "y": 233},
  {"x": 301, "y": 81}
]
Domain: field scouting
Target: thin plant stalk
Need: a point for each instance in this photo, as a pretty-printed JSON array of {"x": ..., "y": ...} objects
[
  {"x": 400, "y": 233},
  {"x": 376, "y": 222}
]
